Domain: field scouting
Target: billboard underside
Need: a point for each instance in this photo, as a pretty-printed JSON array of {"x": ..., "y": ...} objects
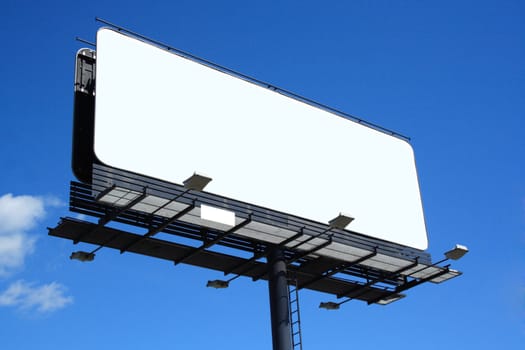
[{"x": 165, "y": 116}]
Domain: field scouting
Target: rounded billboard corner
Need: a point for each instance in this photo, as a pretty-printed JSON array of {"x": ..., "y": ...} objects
[
  {"x": 105, "y": 28},
  {"x": 82, "y": 165},
  {"x": 407, "y": 143},
  {"x": 98, "y": 160}
]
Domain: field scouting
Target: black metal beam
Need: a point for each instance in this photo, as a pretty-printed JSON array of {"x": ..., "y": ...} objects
[{"x": 337, "y": 269}]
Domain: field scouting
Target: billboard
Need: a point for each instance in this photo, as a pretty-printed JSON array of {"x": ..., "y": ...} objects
[{"x": 166, "y": 116}]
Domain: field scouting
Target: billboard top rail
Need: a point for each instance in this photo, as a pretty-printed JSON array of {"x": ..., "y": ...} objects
[{"x": 254, "y": 80}]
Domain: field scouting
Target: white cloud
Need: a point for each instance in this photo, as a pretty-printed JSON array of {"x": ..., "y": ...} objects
[
  {"x": 13, "y": 250},
  {"x": 52, "y": 201},
  {"x": 18, "y": 214},
  {"x": 28, "y": 297}
]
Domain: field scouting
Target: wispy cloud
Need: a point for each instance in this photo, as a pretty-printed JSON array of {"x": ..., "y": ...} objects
[
  {"x": 18, "y": 214},
  {"x": 29, "y": 297},
  {"x": 14, "y": 248},
  {"x": 52, "y": 201}
]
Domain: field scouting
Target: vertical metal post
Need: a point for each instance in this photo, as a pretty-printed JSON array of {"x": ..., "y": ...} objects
[{"x": 279, "y": 301}]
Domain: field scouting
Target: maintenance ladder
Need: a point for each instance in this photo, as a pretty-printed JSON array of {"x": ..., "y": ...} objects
[{"x": 295, "y": 316}]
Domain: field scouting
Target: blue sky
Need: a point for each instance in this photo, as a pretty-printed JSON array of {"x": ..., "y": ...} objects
[{"x": 449, "y": 74}]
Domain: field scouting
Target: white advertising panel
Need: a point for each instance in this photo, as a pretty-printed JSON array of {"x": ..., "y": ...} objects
[{"x": 166, "y": 116}]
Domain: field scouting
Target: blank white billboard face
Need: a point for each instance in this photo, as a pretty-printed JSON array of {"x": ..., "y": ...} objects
[{"x": 166, "y": 116}]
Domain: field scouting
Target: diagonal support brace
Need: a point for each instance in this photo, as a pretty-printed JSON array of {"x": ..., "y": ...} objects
[
  {"x": 339, "y": 269},
  {"x": 262, "y": 254},
  {"x": 374, "y": 281},
  {"x": 208, "y": 244},
  {"x": 162, "y": 227}
]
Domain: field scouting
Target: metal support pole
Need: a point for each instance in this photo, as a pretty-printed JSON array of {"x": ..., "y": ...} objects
[{"x": 279, "y": 301}]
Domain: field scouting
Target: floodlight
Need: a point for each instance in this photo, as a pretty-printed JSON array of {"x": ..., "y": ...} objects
[
  {"x": 219, "y": 284},
  {"x": 390, "y": 299},
  {"x": 456, "y": 253},
  {"x": 341, "y": 221},
  {"x": 82, "y": 256},
  {"x": 330, "y": 305},
  {"x": 196, "y": 182}
]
